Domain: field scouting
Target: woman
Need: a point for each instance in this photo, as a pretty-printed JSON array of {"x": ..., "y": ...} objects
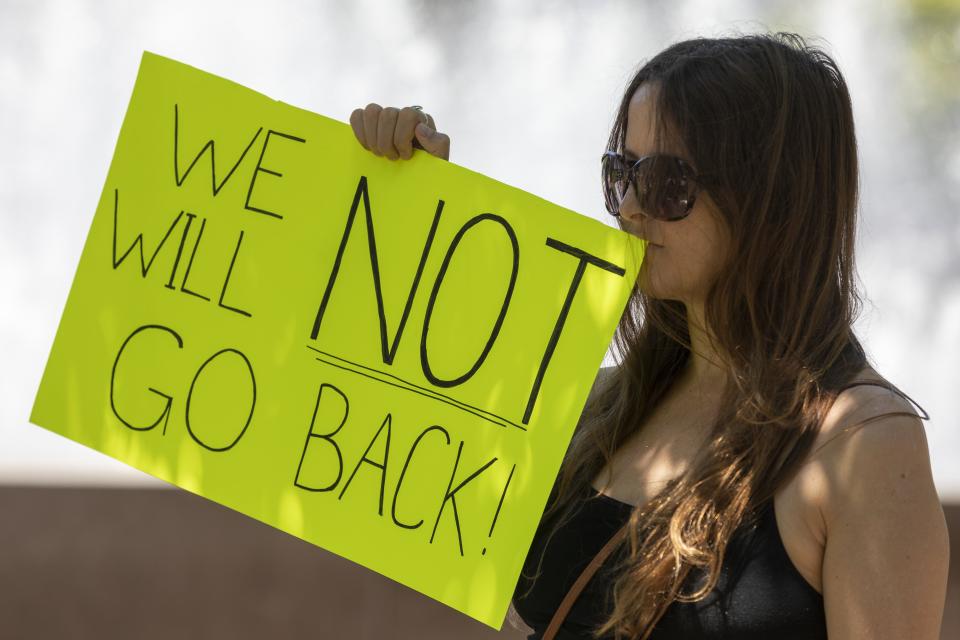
[{"x": 723, "y": 458}]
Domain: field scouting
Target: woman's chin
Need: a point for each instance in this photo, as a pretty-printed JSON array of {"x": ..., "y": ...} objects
[{"x": 655, "y": 290}]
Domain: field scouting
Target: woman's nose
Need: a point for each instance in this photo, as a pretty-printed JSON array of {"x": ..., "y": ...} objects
[{"x": 630, "y": 206}]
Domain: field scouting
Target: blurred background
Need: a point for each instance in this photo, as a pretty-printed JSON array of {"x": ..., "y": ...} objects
[{"x": 527, "y": 91}]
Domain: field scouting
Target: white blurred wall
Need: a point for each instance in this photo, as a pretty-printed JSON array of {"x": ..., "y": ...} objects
[{"x": 526, "y": 90}]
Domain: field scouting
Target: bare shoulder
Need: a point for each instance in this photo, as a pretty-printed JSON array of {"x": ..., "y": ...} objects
[
  {"x": 871, "y": 437},
  {"x": 864, "y": 402},
  {"x": 868, "y": 414},
  {"x": 886, "y": 545},
  {"x": 861, "y": 429}
]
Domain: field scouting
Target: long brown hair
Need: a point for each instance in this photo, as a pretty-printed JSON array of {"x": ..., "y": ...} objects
[{"x": 767, "y": 120}]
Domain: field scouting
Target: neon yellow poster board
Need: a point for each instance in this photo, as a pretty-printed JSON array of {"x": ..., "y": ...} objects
[{"x": 386, "y": 359}]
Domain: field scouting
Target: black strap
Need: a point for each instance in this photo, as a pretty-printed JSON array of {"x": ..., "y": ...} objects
[{"x": 891, "y": 387}]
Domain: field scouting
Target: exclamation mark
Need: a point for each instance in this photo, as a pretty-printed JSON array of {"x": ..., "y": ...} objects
[{"x": 499, "y": 504}]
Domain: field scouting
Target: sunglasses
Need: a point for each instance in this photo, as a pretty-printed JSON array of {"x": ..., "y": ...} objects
[{"x": 665, "y": 185}]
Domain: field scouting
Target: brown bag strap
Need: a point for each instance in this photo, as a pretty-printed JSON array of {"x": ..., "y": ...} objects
[{"x": 581, "y": 582}]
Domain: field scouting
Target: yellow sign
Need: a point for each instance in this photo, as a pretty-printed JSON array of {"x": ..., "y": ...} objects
[{"x": 386, "y": 359}]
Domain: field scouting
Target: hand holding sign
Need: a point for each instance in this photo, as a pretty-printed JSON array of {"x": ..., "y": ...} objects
[
  {"x": 384, "y": 359},
  {"x": 392, "y": 132}
]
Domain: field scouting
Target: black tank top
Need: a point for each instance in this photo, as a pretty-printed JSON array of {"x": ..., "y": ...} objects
[{"x": 759, "y": 594}]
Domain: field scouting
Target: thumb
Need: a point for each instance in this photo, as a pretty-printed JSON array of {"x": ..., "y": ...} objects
[{"x": 433, "y": 142}]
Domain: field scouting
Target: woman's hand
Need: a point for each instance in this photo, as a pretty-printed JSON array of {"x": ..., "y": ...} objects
[{"x": 395, "y": 133}]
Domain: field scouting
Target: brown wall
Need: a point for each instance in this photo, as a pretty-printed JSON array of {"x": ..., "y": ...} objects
[{"x": 147, "y": 563}]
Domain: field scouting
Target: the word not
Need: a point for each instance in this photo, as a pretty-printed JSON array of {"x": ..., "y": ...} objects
[{"x": 389, "y": 348}]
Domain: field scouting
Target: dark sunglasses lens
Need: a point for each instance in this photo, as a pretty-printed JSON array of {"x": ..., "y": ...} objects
[
  {"x": 665, "y": 188},
  {"x": 663, "y": 184}
]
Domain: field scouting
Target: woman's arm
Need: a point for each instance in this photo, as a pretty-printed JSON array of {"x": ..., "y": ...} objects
[{"x": 887, "y": 551}]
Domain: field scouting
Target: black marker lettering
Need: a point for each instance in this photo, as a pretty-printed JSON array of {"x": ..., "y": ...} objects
[
  {"x": 451, "y": 496},
  {"x": 260, "y": 169},
  {"x": 388, "y": 353},
  {"x": 253, "y": 402},
  {"x": 393, "y": 508},
  {"x": 326, "y": 436},
  {"x": 496, "y": 514},
  {"x": 209, "y": 145},
  {"x": 424, "y": 360},
  {"x": 584, "y": 258},
  {"x": 176, "y": 261},
  {"x": 193, "y": 254},
  {"x": 138, "y": 241},
  {"x": 165, "y": 414},
  {"x": 380, "y": 465},
  {"x": 226, "y": 281}
]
